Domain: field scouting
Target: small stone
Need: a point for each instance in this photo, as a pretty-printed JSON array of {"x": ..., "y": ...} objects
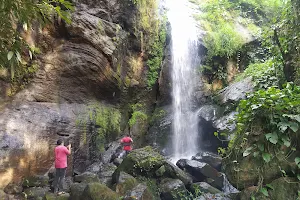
[{"x": 51, "y": 196}]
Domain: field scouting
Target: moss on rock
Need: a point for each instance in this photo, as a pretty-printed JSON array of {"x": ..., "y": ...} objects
[
  {"x": 144, "y": 161},
  {"x": 97, "y": 191}
]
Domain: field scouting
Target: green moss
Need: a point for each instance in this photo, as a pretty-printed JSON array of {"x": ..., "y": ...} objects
[
  {"x": 106, "y": 120},
  {"x": 97, "y": 191},
  {"x": 126, "y": 186},
  {"x": 137, "y": 115}
]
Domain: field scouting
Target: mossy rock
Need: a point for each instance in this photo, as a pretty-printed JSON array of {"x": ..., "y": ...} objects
[
  {"x": 140, "y": 192},
  {"x": 144, "y": 161},
  {"x": 282, "y": 188},
  {"x": 98, "y": 191},
  {"x": 36, "y": 181},
  {"x": 77, "y": 190},
  {"x": 246, "y": 171},
  {"x": 51, "y": 196},
  {"x": 125, "y": 183},
  {"x": 36, "y": 193},
  {"x": 87, "y": 177},
  {"x": 173, "y": 189}
]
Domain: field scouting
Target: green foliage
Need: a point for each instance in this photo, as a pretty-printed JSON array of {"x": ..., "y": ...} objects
[
  {"x": 156, "y": 53},
  {"x": 264, "y": 75},
  {"x": 137, "y": 115},
  {"x": 13, "y": 49},
  {"x": 106, "y": 119},
  {"x": 273, "y": 115}
]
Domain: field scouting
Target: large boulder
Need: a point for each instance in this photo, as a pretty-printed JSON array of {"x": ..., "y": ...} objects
[
  {"x": 106, "y": 173},
  {"x": 35, "y": 192},
  {"x": 112, "y": 150},
  {"x": 172, "y": 189},
  {"x": 36, "y": 181},
  {"x": 210, "y": 158},
  {"x": 144, "y": 161},
  {"x": 210, "y": 112},
  {"x": 86, "y": 177},
  {"x": 236, "y": 91},
  {"x": 139, "y": 192},
  {"x": 77, "y": 190},
  {"x": 52, "y": 196},
  {"x": 202, "y": 187},
  {"x": 124, "y": 182},
  {"x": 159, "y": 134},
  {"x": 226, "y": 123},
  {"x": 173, "y": 171},
  {"x": 281, "y": 188},
  {"x": 98, "y": 191}
]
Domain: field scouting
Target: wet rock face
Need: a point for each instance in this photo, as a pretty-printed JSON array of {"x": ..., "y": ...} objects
[{"x": 172, "y": 189}]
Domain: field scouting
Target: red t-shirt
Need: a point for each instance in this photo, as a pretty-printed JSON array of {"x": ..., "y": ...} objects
[
  {"x": 127, "y": 145},
  {"x": 61, "y": 153}
]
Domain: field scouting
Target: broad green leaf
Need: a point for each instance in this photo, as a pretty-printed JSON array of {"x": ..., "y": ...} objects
[
  {"x": 270, "y": 186},
  {"x": 264, "y": 191},
  {"x": 252, "y": 198},
  {"x": 297, "y": 160},
  {"x": 294, "y": 126},
  {"x": 283, "y": 172},
  {"x": 18, "y": 56},
  {"x": 286, "y": 141},
  {"x": 272, "y": 137},
  {"x": 266, "y": 157},
  {"x": 261, "y": 147},
  {"x": 255, "y": 154},
  {"x": 10, "y": 55},
  {"x": 247, "y": 152}
]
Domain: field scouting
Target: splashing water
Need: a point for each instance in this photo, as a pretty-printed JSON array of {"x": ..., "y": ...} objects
[{"x": 185, "y": 62}]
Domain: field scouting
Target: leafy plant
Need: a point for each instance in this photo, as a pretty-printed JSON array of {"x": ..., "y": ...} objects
[{"x": 17, "y": 17}]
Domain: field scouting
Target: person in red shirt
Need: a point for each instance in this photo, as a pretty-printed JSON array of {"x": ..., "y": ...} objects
[
  {"x": 61, "y": 157},
  {"x": 127, "y": 144}
]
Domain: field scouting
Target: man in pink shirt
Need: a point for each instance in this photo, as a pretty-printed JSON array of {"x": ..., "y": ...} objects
[{"x": 61, "y": 157}]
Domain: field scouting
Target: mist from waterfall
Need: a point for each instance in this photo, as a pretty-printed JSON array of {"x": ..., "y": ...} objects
[{"x": 185, "y": 62}]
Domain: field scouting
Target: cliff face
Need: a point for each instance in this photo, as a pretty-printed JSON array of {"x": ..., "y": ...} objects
[{"x": 86, "y": 79}]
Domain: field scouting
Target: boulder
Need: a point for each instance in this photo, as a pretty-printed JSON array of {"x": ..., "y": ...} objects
[
  {"x": 106, "y": 173},
  {"x": 213, "y": 197},
  {"x": 76, "y": 190},
  {"x": 202, "y": 187},
  {"x": 86, "y": 177},
  {"x": 235, "y": 91},
  {"x": 51, "y": 196},
  {"x": 3, "y": 195},
  {"x": 35, "y": 192},
  {"x": 124, "y": 182},
  {"x": 181, "y": 163},
  {"x": 201, "y": 170},
  {"x": 98, "y": 191},
  {"x": 36, "y": 181},
  {"x": 226, "y": 123},
  {"x": 159, "y": 134},
  {"x": 282, "y": 188},
  {"x": 95, "y": 167},
  {"x": 172, "y": 189},
  {"x": 118, "y": 161},
  {"x": 210, "y": 112},
  {"x": 144, "y": 161},
  {"x": 111, "y": 152},
  {"x": 139, "y": 192},
  {"x": 13, "y": 188},
  {"x": 173, "y": 171},
  {"x": 210, "y": 158}
]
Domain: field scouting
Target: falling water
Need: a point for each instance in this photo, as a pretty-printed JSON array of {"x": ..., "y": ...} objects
[{"x": 185, "y": 63}]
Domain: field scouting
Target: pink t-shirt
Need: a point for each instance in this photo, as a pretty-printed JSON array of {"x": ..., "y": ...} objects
[
  {"x": 61, "y": 153},
  {"x": 127, "y": 143}
]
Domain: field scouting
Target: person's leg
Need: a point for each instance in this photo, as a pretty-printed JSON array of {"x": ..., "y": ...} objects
[
  {"x": 62, "y": 179},
  {"x": 56, "y": 179}
]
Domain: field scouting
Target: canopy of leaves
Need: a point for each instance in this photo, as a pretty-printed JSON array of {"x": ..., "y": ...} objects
[{"x": 19, "y": 15}]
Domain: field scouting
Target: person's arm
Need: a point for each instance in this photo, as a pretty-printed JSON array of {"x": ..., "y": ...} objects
[{"x": 68, "y": 150}]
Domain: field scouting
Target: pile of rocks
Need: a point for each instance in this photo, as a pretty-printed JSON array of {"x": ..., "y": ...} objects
[{"x": 143, "y": 175}]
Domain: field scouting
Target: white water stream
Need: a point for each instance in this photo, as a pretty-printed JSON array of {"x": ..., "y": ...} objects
[{"x": 185, "y": 63}]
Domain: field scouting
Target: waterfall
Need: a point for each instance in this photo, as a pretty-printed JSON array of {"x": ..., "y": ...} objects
[{"x": 185, "y": 62}]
